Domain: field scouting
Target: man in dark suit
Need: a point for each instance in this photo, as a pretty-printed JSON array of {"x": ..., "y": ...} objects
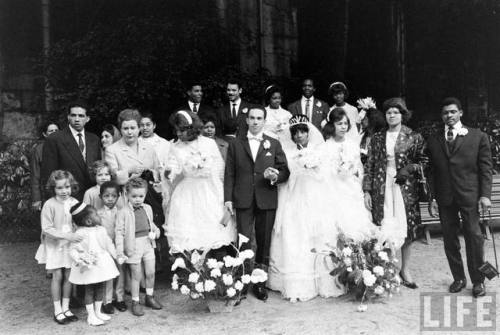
[
  {"x": 255, "y": 164},
  {"x": 236, "y": 108},
  {"x": 72, "y": 149},
  {"x": 316, "y": 110},
  {"x": 460, "y": 180}
]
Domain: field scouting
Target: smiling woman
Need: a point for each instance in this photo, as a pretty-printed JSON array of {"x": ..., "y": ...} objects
[{"x": 130, "y": 156}]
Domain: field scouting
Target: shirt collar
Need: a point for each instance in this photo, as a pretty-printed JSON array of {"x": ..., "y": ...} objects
[
  {"x": 304, "y": 99},
  {"x": 237, "y": 102},
  {"x": 457, "y": 126},
  {"x": 75, "y": 132},
  {"x": 259, "y": 135}
]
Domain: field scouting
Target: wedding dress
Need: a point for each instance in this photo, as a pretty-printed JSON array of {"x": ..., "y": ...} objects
[
  {"x": 195, "y": 218},
  {"x": 303, "y": 223},
  {"x": 345, "y": 173}
]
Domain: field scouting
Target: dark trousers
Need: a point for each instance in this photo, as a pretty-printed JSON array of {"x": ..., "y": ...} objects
[
  {"x": 474, "y": 240},
  {"x": 256, "y": 224}
]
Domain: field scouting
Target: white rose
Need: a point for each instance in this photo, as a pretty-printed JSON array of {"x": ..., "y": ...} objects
[
  {"x": 370, "y": 280},
  {"x": 220, "y": 264},
  {"x": 383, "y": 256},
  {"x": 247, "y": 254},
  {"x": 378, "y": 290},
  {"x": 349, "y": 269},
  {"x": 347, "y": 251},
  {"x": 175, "y": 285},
  {"x": 209, "y": 285},
  {"x": 228, "y": 261},
  {"x": 179, "y": 263},
  {"x": 238, "y": 285},
  {"x": 238, "y": 261},
  {"x": 377, "y": 247},
  {"x": 347, "y": 262},
  {"x": 195, "y": 295},
  {"x": 227, "y": 279},
  {"x": 231, "y": 292},
  {"x": 211, "y": 263},
  {"x": 199, "y": 287},
  {"x": 215, "y": 273},
  {"x": 245, "y": 279},
  {"x": 185, "y": 290},
  {"x": 258, "y": 276},
  {"x": 378, "y": 270},
  {"x": 366, "y": 273},
  {"x": 193, "y": 277}
]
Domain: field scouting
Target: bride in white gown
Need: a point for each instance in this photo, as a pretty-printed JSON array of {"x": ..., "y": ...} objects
[
  {"x": 195, "y": 217},
  {"x": 345, "y": 175},
  {"x": 303, "y": 220}
]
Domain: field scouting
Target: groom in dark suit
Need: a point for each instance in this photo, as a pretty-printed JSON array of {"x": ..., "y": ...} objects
[
  {"x": 460, "y": 180},
  {"x": 255, "y": 164},
  {"x": 72, "y": 149}
]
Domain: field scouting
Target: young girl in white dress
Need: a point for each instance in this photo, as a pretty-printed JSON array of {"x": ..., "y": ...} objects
[
  {"x": 57, "y": 234},
  {"x": 195, "y": 218},
  {"x": 93, "y": 263},
  {"x": 303, "y": 220},
  {"x": 277, "y": 118},
  {"x": 345, "y": 177}
]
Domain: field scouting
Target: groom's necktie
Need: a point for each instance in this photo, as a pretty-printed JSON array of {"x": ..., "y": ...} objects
[
  {"x": 308, "y": 107},
  {"x": 81, "y": 145},
  {"x": 449, "y": 139},
  {"x": 233, "y": 112}
]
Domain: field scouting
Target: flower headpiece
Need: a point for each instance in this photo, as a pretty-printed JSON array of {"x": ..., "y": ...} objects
[
  {"x": 366, "y": 103},
  {"x": 298, "y": 119},
  {"x": 188, "y": 117}
]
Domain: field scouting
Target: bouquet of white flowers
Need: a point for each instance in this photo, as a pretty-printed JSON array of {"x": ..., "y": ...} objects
[{"x": 208, "y": 278}]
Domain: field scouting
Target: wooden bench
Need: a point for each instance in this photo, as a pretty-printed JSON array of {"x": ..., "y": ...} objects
[{"x": 495, "y": 210}]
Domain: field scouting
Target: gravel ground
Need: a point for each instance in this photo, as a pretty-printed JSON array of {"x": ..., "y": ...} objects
[{"x": 26, "y": 307}]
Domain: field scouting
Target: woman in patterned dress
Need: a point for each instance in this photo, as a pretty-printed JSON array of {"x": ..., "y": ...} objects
[{"x": 390, "y": 181}]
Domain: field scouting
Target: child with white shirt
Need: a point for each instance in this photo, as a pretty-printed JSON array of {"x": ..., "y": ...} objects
[
  {"x": 102, "y": 174},
  {"x": 109, "y": 195}
]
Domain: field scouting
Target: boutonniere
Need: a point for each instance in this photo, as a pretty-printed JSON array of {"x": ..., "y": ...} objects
[
  {"x": 266, "y": 144},
  {"x": 318, "y": 103},
  {"x": 244, "y": 110},
  {"x": 462, "y": 131}
]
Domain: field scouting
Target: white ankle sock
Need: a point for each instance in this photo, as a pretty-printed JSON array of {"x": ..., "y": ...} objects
[
  {"x": 149, "y": 291},
  {"x": 57, "y": 307},
  {"x": 97, "y": 309},
  {"x": 65, "y": 304}
]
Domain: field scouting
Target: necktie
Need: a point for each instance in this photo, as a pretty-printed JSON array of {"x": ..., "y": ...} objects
[
  {"x": 449, "y": 134},
  {"x": 308, "y": 106},
  {"x": 81, "y": 145},
  {"x": 233, "y": 112},
  {"x": 195, "y": 110}
]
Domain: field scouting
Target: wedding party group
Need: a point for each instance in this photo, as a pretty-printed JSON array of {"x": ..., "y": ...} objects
[{"x": 286, "y": 183}]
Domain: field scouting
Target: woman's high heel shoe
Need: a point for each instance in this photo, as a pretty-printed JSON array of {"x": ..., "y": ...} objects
[{"x": 406, "y": 283}]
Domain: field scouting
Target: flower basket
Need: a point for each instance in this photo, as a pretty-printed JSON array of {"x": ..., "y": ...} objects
[{"x": 220, "y": 306}]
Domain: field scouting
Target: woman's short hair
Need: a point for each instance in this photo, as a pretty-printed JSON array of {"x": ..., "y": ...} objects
[
  {"x": 46, "y": 124},
  {"x": 270, "y": 90},
  {"x": 129, "y": 115},
  {"x": 192, "y": 124},
  {"x": 115, "y": 133},
  {"x": 336, "y": 115},
  {"x": 58, "y": 175},
  {"x": 400, "y": 104},
  {"x": 376, "y": 120}
]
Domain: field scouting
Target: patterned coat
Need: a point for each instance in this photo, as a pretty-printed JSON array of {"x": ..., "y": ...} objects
[{"x": 409, "y": 149}]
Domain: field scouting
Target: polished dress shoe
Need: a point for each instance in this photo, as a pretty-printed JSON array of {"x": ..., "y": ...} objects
[
  {"x": 406, "y": 283},
  {"x": 108, "y": 309},
  {"x": 120, "y": 305},
  {"x": 478, "y": 290},
  {"x": 457, "y": 285},
  {"x": 260, "y": 292},
  {"x": 151, "y": 302},
  {"x": 137, "y": 309}
]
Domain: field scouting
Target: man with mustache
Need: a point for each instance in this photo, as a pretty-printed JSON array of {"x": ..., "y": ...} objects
[{"x": 460, "y": 180}]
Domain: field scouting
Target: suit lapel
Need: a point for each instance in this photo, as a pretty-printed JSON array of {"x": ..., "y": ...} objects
[
  {"x": 442, "y": 142},
  {"x": 459, "y": 140},
  {"x": 89, "y": 145},
  {"x": 73, "y": 149}
]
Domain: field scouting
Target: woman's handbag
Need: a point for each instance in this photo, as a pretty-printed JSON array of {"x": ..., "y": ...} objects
[
  {"x": 487, "y": 269},
  {"x": 424, "y": 193}
]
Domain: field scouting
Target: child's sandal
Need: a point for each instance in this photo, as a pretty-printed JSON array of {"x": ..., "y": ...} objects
[
  {"x": 61, "y": 321},
  {"x": 70, "y": 316}
]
